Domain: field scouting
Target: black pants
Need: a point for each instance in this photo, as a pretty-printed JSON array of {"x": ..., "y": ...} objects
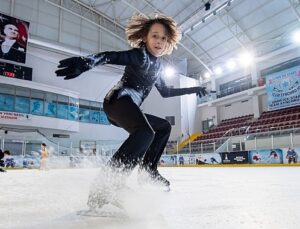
[{"x": 148, "y": 134}]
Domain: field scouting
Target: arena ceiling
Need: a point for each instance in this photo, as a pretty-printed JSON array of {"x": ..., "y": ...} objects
[{"x": 214, "y": 31}]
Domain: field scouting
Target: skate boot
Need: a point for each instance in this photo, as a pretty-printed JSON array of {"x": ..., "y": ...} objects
[
  {"x": 2, "y": 170},
  {"x": 158, "y": 178},
  {"x": 98, "y": 198},
  {"x": 153, "y": 176},
  {"x": 107, "y": 189}
]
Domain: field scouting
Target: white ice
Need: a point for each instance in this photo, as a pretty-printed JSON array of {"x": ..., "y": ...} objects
[{"x": 204, "y": 197}]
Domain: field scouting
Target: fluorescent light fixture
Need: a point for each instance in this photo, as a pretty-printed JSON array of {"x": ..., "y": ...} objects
[
  {"x": 296, "y": 36},
  {"x": 246, "y": 59},
  {"x": 207, "y": 75},
  {"x": 218, "y": 70}
]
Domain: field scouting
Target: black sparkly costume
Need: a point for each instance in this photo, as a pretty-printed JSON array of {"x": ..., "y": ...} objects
[{"x": 148, "y": 134}]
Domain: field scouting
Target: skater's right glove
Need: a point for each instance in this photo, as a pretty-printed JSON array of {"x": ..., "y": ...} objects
[
  {"x": 71, "y": 68},
  {"x": 201, "y": 92}
]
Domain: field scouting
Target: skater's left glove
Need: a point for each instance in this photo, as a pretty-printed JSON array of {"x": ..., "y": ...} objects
[
  {"x": 201, "y": 91},
  {"x": 71, "y": 68}
]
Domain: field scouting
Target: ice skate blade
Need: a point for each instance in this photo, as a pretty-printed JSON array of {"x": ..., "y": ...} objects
[
  {"x": 167, "y": 189},
  {"x": 101, "y": 213}
]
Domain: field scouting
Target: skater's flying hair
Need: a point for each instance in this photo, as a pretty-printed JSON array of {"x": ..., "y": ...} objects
[{"x": 139, "y": 26}]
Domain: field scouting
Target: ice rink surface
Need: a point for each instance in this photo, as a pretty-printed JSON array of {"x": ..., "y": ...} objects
[{"x": 205, "y": 197}]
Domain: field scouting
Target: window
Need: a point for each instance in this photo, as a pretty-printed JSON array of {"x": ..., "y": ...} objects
[
  {"x": 73, "y": 108},
  {"x": 50, "y": 104},
  {"x": 62, "y": 106},
  {"x": 22, "y": 103},
  {"x": 207, "y": 124},
  {"x": 7, "y": 94},
  {"x": 37, "y": 102},
  {"x": 84, "y": 110}
]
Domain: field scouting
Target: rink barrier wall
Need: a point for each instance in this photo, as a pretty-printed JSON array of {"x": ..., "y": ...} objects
[
  {"x": 262, "y": 157},
  {"x": 231, "y": 165}
]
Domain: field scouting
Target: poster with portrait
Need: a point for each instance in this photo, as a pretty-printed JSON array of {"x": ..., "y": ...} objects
[{"x": 13, "y": 38}]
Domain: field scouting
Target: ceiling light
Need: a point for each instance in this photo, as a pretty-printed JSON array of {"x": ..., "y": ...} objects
[
  {"x": 218, "y": 70},
  {"x": 206, "y": 75},
  {"x": 296, "y": 36},
  {"x": 246, "y": 59}
]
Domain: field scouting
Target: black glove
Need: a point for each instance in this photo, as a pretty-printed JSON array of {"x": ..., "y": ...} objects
[
  {"x": 201, "y": 92},
  {"x": 72, "y": 67}
]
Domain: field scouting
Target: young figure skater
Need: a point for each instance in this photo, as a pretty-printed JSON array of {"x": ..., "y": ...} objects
[
  {"x": 44, "y": 156},
  {"x": 148, "y": 134}
]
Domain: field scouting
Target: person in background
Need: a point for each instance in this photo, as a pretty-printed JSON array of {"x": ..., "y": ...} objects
[
  {"x": 291, "y": 155},
  {"x": 2, "y": 155},
  {"x": 44, "y": 156}
]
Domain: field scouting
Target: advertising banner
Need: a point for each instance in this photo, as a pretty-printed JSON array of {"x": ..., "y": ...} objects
[
  {"x": 267, "y": 156},
  {"x": 6, "y": 115},
  {"x": 186, "y": 159},
  {"x": 283, "y": 88},
  {"x": 208, "y": 158},
  {"x": 168, "y": 160},
  {"x": 13, "y": 38},
  {"x": 240, "y": 157}
]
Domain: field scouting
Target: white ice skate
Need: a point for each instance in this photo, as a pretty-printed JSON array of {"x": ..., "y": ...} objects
[
  {"x": 107, "y": 189},
  {"x": 155, "y": 178}
]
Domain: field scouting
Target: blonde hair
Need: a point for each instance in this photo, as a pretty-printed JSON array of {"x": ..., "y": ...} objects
[{"x": 139, "y": 26}]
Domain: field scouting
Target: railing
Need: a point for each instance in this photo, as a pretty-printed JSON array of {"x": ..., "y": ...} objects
[
  {"x": 229, "y": 142},
  {"x": 229, "y": 91},
  {"x": 28, "y": 143}
]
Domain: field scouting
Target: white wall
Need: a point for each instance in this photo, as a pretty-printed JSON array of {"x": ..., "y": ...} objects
[
  {"x": 92, "y": 85},
  {"x": 236, "y": 109},
  {"x": 188, "y": 108},
  {"x": 155, "y": 104},
  {"x": 207, "y": 112}
]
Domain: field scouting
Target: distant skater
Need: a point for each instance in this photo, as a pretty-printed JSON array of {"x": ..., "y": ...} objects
[{"x": 44, "y": 156}]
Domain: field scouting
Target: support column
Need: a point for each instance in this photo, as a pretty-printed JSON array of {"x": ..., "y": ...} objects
[
  {"x": 255, "y": 106},
  {"x": 254, "y": 74}
]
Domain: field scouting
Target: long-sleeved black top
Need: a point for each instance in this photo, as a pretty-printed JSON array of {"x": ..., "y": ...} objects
[{"x": 142, "y": 72}]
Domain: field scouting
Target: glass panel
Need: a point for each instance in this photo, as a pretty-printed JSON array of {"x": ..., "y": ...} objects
[
  {"x": 84, "y": 104},
  {"x": 37, "y": 106},
  {"x": 50, "y": 104},
  {"x": 84, "y": 115},
  {"x": 74, "y": 101},
  {"x": 95, "y": 116},
  {"x": 103, "y": 119},
  {"x": 37, "y": 94},
  {"x": 62, "y": 106},
  {"x": 7, "y": 89},
  {"x": 22, "y": 104},
  {"x": 6, "y": 102},
  {"x": 63, "y": 99},
  {"x": 50, "y": 109},
  {"x": 62, "y": 111},
  {"x": 95, "y": 106},
  {"x": 73, "y": 113},
  {"x": 21, "y": 91}
]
